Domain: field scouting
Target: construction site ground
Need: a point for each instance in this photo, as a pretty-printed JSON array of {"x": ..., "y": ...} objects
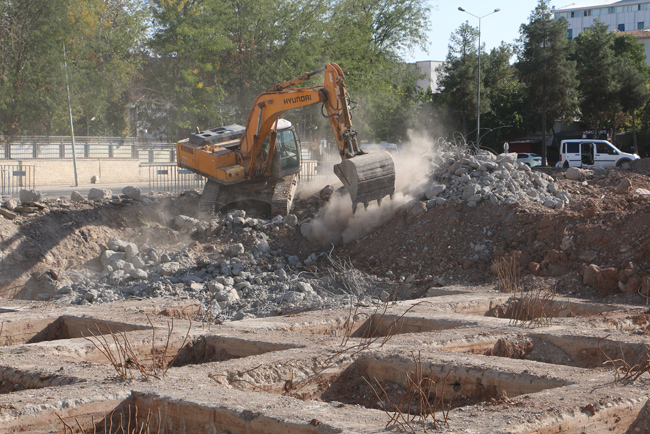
[{"x": 549, "y": 332}]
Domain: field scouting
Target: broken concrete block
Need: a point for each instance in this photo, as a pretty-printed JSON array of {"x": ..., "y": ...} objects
[
  {"x": 8, "y": 214},
  {"x": 624, "y": 186},
  {"x": 574, "y": 174},
  {"x": 132, "y": 192},
  {"x": 76, "y": 197},
  {"x": 98, "y": 194},
  {"x": 30, "y": 196}
]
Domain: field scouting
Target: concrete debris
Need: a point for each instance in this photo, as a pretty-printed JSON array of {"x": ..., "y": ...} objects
[
  {"x": 98, "y": 194},
  {"x": 11, "y": 204},
  {"x": 8, "y": 214},
  {"x": 488, "y": 177},
  {"x": 574, "y": 174},
  {"x": 30, "y": 196},
  {"x": 76, "y": 197},
  {"x": 624, "y": 186},
  {"x": 234, "y": 282},
  {"x": 132, "y": 192}
]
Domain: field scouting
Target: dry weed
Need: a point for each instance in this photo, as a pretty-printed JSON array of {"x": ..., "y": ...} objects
[
  {"x": 534, "y": 308},
  {"x": 507, "y": 269},
  {"x": 422, "y": 399},
  {"x": 124, "y": 359},
  {"x": 109, "y": 426},
  {"x": 623, "y": 371},
  {"x": 344, "y": 273}
]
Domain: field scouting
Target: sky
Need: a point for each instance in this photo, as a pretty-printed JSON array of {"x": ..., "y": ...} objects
[{"x": 502, "y": 26}]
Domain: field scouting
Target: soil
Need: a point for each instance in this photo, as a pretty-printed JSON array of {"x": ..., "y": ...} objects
[{"x": 449, "y": 244}]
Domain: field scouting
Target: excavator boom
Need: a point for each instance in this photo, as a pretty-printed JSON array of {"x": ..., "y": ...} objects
[{"x": 251, "y": 158}]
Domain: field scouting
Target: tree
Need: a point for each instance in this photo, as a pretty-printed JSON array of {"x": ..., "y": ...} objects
[
  {"x": 597, "y": 74},
  {"x": 548, "y": 77},
  {"x": 457, "y": 76},
  {"x": 105, "y": 45},
  {"x": 101, "y": 37},
  {"x": 182, "y": 87},
  {"x": 633, "y": 74},
  {"x": 504, "y": 92},
  {"x": 28, "y": 44},
  {"x": 366, "y": 38}
]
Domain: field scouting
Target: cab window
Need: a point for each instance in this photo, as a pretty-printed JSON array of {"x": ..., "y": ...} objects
[{"x": 288, "y": 148}]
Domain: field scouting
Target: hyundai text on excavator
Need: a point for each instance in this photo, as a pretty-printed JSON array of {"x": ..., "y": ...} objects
[{"x": 261, "y": 162}]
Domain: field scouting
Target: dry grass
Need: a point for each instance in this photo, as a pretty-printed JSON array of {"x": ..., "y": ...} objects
[
  {"x": 535, "y": 308},
  {"x": 124, "y": 358},
  {"x": 420, "y": 404},
  {"x": 532, "y": 308},
  {"x": 343, "y": 272},
  {"x": 114, "y": 424},
  {"x": 623, "y": 371},
  {"x": 507, "y": 269}
]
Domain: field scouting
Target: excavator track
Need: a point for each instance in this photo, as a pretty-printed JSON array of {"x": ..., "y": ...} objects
[
  {"x": 208, "y": 199},
  {"x": 278, "y": 194},
  {"x": 283, "y": 195}
]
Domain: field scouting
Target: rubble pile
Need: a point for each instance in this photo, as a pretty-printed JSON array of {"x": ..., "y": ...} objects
[
  {"x": 488, "y": 177},
  {"x": 235, "y": 282}
]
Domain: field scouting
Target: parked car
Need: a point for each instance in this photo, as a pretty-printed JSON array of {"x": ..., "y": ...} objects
[
  {"x": 590, "y": 153},
  {"x": 530, "y": 159}
]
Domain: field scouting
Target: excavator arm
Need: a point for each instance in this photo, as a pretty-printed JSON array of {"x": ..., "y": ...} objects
[
  {"x": 236, "y": 156},
  {"x": 367, "y": 177}
]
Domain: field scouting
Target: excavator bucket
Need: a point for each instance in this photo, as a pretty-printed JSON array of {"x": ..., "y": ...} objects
[{"x": 367, "y": 177}]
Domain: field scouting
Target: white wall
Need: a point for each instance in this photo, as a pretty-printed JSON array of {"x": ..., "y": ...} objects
[{"x": 428, "y": 69}]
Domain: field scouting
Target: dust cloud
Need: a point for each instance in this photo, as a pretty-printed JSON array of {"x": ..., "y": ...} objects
[{"x": 336, "y": 224}]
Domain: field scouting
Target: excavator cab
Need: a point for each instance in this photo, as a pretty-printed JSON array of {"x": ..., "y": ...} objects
[{"x": 287, "y": 152}]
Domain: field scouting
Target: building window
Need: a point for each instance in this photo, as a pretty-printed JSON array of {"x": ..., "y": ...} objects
[
  {"x": 621, "y": 27},
  {"x": 611, "y": 10},
  {"x": 588, "y": 13},
  {"x": 573, "y": 14},
  {"x": 569, "y": 33},
  {"x": 640, "y": 25}
]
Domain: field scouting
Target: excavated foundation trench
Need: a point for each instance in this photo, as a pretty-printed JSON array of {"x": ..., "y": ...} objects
[{"x": 443, "y": 362}]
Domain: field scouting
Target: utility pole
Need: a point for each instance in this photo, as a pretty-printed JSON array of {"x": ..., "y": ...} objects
[
  {"x": 67, "y": 85},
  {"x": 478, "y": 84}
]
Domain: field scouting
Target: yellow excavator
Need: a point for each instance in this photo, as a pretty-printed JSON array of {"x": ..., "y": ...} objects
[{"x": 261, "y": 161}]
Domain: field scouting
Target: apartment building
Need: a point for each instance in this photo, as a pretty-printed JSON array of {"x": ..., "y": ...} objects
[
  {"x": 429, "y": 75},
  {"x": 621, "y": 15}
]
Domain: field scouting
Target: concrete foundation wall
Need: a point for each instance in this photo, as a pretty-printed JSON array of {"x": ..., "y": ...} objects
[{"x": 61, "y": 171}]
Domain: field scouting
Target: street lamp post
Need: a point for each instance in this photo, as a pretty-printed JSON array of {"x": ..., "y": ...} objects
[{"x": 478, "y": 84}]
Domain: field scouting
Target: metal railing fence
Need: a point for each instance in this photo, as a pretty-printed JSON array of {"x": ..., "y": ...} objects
[
  {"x": 14, "y": 177},
  {"x": 173, "y": 179},
  {"x": 28, "y": 147}
]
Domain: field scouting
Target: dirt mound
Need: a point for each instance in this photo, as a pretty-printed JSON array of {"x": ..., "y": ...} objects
[{"x": 606, "y": 226}]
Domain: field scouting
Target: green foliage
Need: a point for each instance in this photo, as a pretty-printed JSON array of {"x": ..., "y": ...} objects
[
  {"x": 597, "y": 73},
  {"x": 101, "y": 37},
  {"x": 458, "y": 76},
  {"x": 504, "y": 91},
  {"x": 547, "y": 75}
]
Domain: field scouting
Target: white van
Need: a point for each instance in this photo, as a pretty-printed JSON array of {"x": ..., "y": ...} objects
[{"x": 589, "y": 152}]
